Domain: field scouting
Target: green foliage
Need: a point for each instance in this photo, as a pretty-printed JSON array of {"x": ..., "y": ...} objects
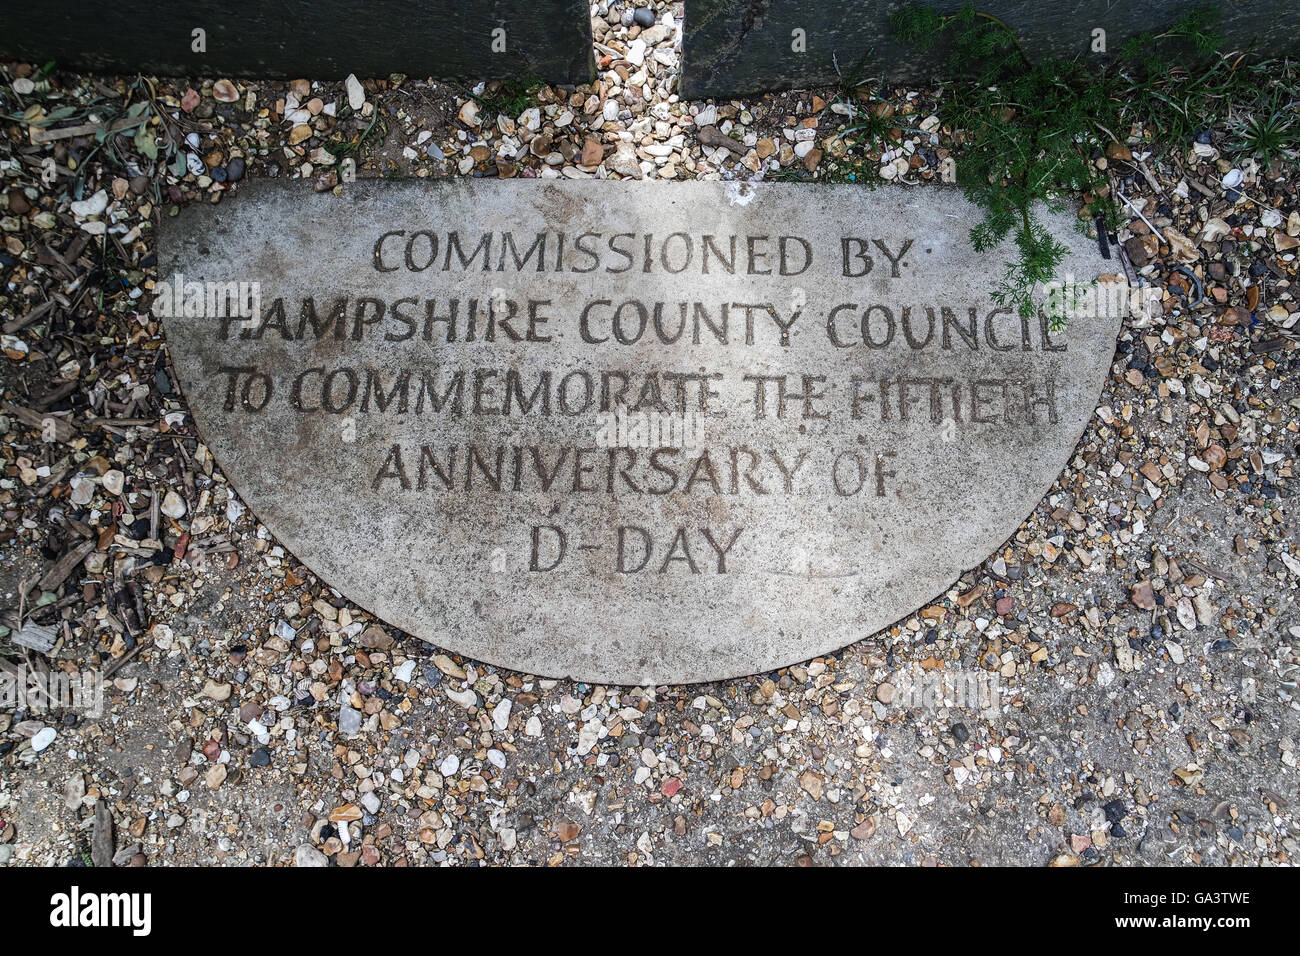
[
  {"x": 1269, "y": 131},
  {"x": 1029, "y": 130},
  {"x": 374, "y": 132},
  {"x": 918, "y": 26},
  {"x": 508, "y": 98},
  {"x": 869, "y": 114},
  {"x": 1178, "y": 82},
  {"x": 1195, "y": 30}
]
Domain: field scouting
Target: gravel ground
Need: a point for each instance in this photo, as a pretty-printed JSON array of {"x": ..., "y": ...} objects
[{"x": 1117, "y": 685}]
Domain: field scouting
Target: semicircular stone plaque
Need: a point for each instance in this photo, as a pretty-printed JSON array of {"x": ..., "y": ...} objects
[{"x": 626, "y": 433}]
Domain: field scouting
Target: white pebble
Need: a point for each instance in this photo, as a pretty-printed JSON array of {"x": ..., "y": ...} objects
[
  {"x": 92, "y": 206},
  {"x": 356, "y": 95},
  {"x": 173, "y": 505}
]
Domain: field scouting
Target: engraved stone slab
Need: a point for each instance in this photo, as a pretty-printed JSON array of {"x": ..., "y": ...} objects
[{"x": 629, "y": 433}]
